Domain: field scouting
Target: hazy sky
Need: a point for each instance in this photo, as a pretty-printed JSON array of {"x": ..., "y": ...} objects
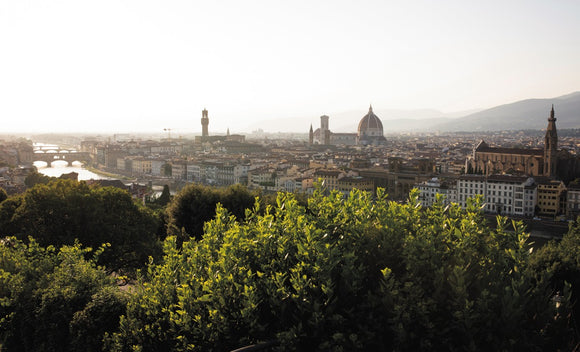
[{"x": 75, "y": 65}]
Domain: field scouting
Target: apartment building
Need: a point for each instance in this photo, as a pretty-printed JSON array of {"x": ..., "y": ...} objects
[
  {"x": 505, "y": 195},
  {"x": 429, "y": 190},
  {"x": 329, "y": 178},
  {"x": 551, "y": 197},
  {"x": 470, "y": 186},
  {"x": 346, "y": 184},
  {"x": 502, "y": 194}
]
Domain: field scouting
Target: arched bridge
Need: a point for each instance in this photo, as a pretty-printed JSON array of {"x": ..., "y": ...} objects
[{"x": 50, "y": 155}]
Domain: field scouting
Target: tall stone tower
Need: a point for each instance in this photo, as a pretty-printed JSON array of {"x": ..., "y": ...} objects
[
  {"x": 204, "y": 123},
  {"x": 311, "y": 136},
  {"x": 551, "y": 146},
  {"x": 324, "y": 130}
]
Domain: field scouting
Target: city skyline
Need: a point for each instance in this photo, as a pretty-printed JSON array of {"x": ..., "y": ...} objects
[{"x": 140, "y": 66}]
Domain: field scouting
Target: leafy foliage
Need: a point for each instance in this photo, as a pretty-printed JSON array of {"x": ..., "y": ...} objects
[
  {"x": 64, "y": 211},
  {"x": 196, "y": 204},
  {"x": 165, "y": 196},
  {"x": 344, "y": 274},
  {"x": 560, "y": 262},
  {"x": 3, "y": 194},
  {"x": 35, "y": 178},
  {"x": 55, "y": 300}
]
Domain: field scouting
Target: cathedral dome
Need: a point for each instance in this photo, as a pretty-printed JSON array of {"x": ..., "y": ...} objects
[{"x": 370, "y": 129}]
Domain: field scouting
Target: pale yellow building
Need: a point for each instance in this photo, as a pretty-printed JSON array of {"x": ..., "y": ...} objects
[
  {"x": 347, "y": 184},
  {"x": 329, "y": 178},
  {"x": 551, "y": 197}
]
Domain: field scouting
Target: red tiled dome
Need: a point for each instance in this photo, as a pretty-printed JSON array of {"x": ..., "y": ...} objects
[
  {"x": 370, "y": 129},
  {"x": 370, "y": 123}
]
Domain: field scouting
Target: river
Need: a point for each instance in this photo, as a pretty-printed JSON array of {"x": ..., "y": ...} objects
[{"x": 60, "y": 167}]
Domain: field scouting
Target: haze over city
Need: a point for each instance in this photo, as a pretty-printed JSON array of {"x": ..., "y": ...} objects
[{"x": 133, "y": 66}]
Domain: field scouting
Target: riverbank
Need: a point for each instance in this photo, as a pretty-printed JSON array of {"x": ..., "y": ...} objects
[
  {"x": 156, "y": 183},
  {"x": 108, "y": 174}
]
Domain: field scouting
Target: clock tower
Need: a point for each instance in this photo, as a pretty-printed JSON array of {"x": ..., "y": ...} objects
[{"x": 204, "y": 123}]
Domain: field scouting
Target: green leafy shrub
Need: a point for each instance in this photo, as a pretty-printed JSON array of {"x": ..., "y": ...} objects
[
  {"x": 55, "y": 300},
  {"x": 343, "y": 275},
  {"x": 196, "y": 204}
]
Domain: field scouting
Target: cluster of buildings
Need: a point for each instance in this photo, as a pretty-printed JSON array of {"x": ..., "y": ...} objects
[
  {"x": 292, "y": 167},
  {"x": 12, "y": 178},
  {"x": 507, "y": 194},
  {"x": 363, "y": 160},
  {"x": 13, "y": 154},
  {"x": 528, "y": 181},
  {"x": 516, "y": 181},
  {"x": 537, "y": 178}
]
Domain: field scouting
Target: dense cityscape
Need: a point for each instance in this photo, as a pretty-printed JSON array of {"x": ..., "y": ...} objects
[{"x": 456, "y": 165}]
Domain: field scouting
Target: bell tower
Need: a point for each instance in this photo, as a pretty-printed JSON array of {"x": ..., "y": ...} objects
[
  {"x": 551, "y": 146},
  {"x": 324, "y": 130},
  {"x": 204, "y": 123}
]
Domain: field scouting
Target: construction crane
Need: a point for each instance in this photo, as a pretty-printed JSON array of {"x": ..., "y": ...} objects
[{"x": 168, "y": 133}]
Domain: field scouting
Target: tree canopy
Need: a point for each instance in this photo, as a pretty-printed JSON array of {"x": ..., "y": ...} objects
[
  {"x": 195, "y": 204},
  {"x": 3, "y": 194},
  {"x": 55, "y": 300},
  {"x": 560, "y": 261},
  {"x": 35, "y": 178},
  {"x": 165, "y": 196},
  {"x": 63, "y": 211}
]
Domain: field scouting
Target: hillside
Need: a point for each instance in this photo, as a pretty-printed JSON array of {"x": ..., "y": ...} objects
[
  {"x": 524, "y": 114},
  {"x": 528, "y": 114},
  {"x": 394, "y": 120}
]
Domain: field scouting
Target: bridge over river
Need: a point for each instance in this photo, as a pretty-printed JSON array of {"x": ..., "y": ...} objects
[{"x": 49, "y": 154}]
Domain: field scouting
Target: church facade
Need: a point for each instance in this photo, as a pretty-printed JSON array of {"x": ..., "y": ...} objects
[
  {"x": 488, "y": 160},
  {"x": 549, "y": 161}
]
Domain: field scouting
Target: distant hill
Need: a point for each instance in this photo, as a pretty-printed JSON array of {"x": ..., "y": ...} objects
[
  {"x": 347, "y": 121},
  {"x": 524, "y": 114},
  {"x": 393, "y": 120}
]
